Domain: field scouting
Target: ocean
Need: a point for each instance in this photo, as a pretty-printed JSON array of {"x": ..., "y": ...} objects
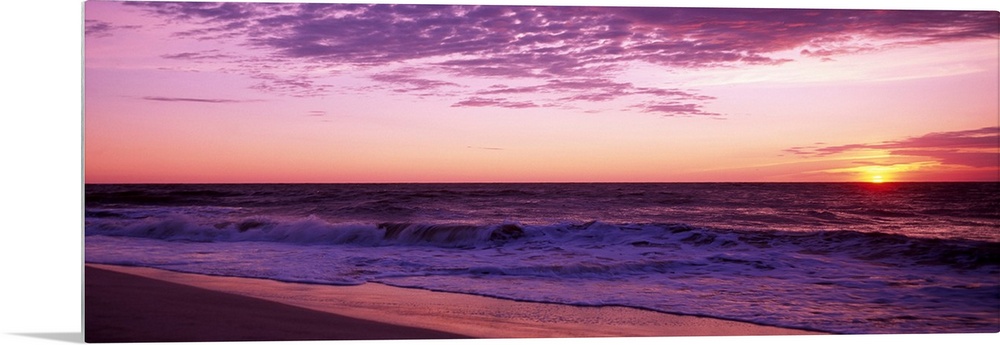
[{"x": 835, "y": 257}]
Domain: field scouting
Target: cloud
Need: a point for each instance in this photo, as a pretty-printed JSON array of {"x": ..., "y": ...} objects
[
  {"x": 494, "y": 102},
  {"x": 675, "y": 109},
  {"x": 100, "y": 28},
  {"x": 407, "y": 81},
  {"x": 572, "y": 51},
  {"x": 205, "y": 55},
  {"x": 555, "y": 41},
  {"x": 297, "y": 85},
  {"x": 871, "y": 163},
  {"x": 196, "y": 100},
  {"x": 669, "y": 101},
  {"x": 979, "y": 148}
]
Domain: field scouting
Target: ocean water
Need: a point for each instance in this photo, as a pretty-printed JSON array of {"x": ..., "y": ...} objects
[{"x": 835, "y": 257}]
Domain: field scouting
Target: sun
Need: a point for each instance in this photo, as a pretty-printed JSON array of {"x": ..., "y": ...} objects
[{"x": 877, "y": 179}]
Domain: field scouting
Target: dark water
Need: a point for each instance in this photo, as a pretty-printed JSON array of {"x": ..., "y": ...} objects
[{"x": 838, "y": 257}]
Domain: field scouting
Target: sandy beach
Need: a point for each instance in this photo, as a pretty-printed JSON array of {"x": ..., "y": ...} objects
[
  {"x": 128, "y": 308},
  {"x": 133, "y": 304}
]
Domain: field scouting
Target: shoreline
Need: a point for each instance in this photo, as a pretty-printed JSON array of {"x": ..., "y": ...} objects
[
  {"x": 122, "y": 307},
  {"x": 367, "y": 311}
]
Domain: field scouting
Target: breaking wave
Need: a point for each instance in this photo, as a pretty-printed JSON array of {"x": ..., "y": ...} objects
[{"x": 666, "y": 237}]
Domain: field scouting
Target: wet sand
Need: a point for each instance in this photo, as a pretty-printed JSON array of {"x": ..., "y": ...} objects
[
  {"x": 133, "y": 304},
  {"x": 127, "y": 308}
]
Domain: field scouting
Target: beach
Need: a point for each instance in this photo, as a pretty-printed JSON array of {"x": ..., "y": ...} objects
[{"x": 136, "y": 304}]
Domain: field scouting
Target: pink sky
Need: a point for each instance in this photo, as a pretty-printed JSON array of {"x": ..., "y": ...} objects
[{"x": 238, "y": 92}]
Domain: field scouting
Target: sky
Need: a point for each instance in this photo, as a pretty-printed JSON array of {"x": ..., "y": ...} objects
[{"x": 289, "y": 92}]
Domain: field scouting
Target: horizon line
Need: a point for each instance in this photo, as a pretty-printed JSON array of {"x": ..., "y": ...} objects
[{"x": 544, "y": 182}]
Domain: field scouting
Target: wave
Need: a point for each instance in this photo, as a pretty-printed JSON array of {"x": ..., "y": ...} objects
[
  {"x": 629, "y": 237},
  {"x": 309, "y": 230}
]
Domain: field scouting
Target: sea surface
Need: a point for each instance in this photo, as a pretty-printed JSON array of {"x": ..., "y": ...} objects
[{"x": 835, "y": 257}]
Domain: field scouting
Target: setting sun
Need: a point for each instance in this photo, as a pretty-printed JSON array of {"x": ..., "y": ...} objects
[{"x": 877, "y": 179}]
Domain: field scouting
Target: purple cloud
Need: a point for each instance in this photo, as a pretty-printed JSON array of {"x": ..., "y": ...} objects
[
  {"x": 675, "y": 109},
  {"x": 407, "y": 81},
  {"x": 974, "y": 148},
  {"x": 670, "y": 102},
  {"x": 571, "y": 53},
  {"x": 99, "y": 28},
  {"x": 296, "y": 84},
  {"x": 205, "y": 55},
  {"x": 558, "y": 40},
  {"x": 494, "y": 102},
  {"x": 197, "y": 100}
]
